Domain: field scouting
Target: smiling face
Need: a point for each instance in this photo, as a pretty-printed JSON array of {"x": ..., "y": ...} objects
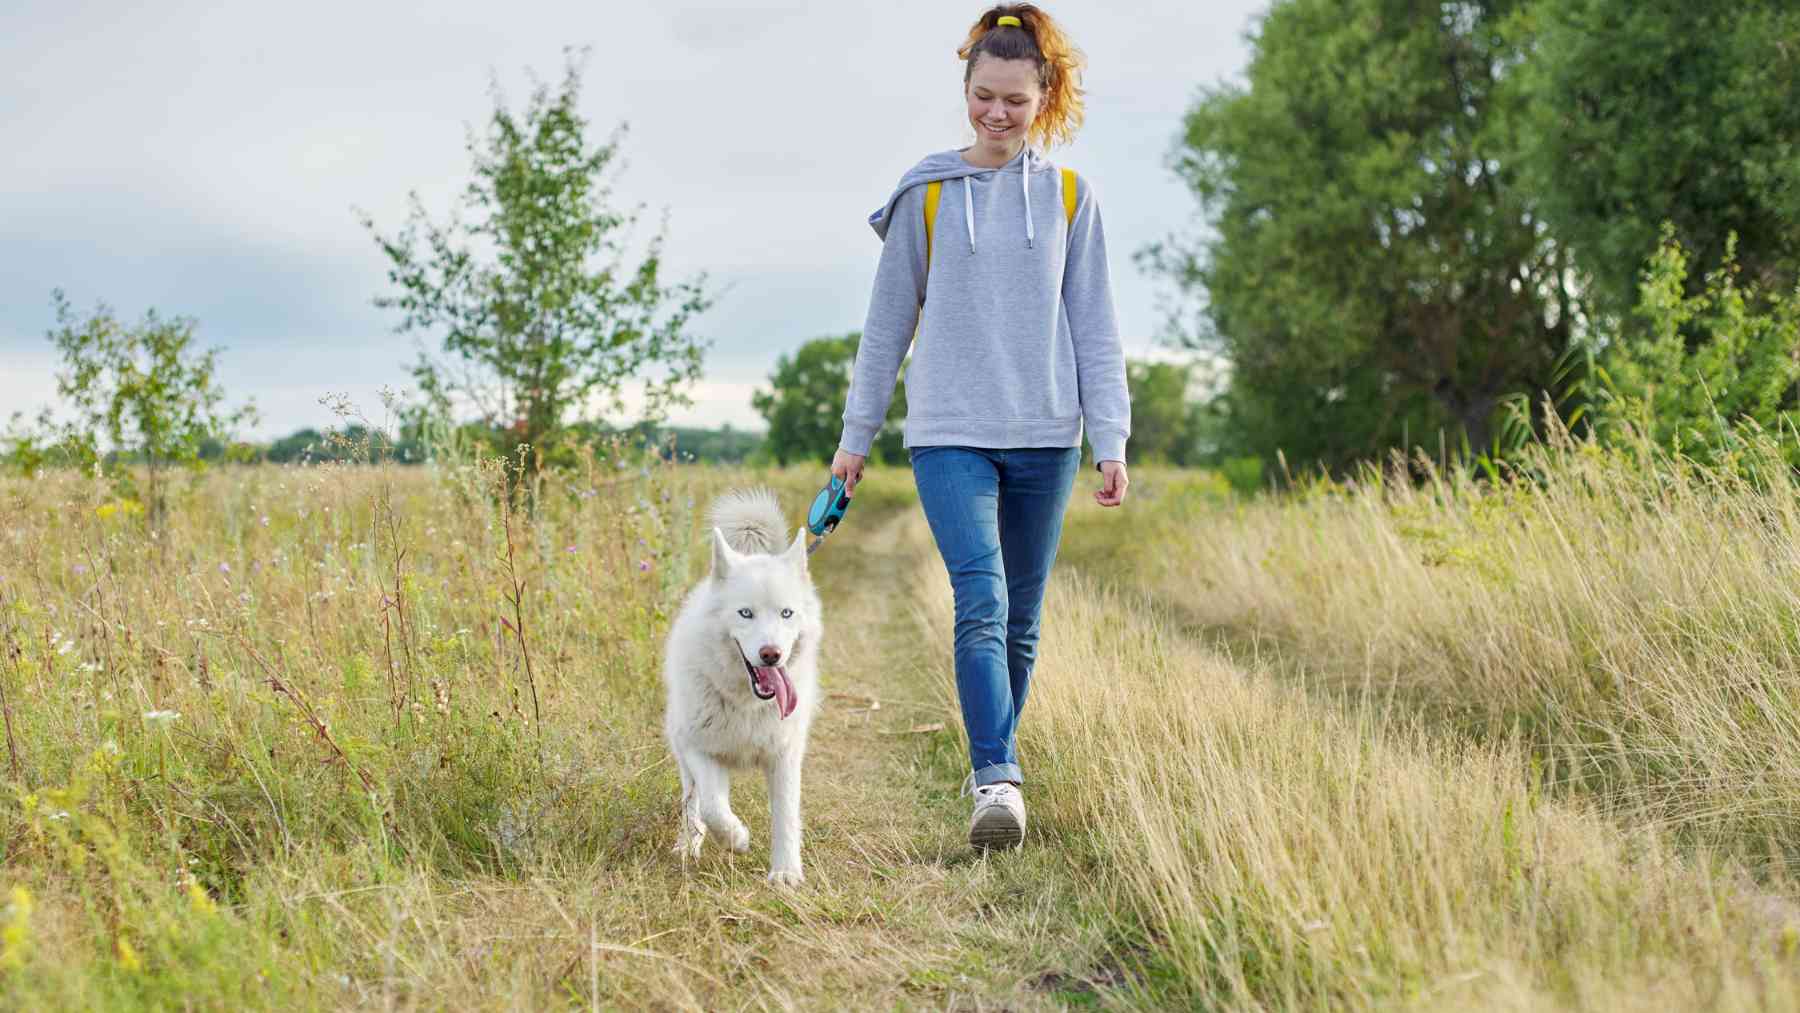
[{"x": 1004, "y": 97}]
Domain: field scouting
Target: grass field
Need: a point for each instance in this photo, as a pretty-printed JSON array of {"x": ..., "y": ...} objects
[{"x": 1362, "y": 746}]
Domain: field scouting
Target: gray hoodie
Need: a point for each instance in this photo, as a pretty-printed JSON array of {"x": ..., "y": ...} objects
[{"x": 1016, "y": 342}]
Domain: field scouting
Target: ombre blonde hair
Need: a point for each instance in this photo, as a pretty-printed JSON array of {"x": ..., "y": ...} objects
[{"x": 1040, "y": 39}]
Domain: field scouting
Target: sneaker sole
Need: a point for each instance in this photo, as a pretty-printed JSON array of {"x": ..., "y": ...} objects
[{"x": 996, "y": 830}]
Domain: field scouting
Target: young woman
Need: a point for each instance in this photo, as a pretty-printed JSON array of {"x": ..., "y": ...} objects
[{"x": 1016, "y": 352}]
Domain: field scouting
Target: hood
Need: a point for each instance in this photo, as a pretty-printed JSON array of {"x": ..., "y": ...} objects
[{"x": 946, "y": 165}]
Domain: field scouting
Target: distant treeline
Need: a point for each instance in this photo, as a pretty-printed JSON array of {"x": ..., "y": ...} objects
[{"x": 725, "y": 445}]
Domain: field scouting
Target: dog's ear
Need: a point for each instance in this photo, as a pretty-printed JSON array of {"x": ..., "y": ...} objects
[
  {"x": 723, "y": 556},
  {"x": 796, "y": 553}
]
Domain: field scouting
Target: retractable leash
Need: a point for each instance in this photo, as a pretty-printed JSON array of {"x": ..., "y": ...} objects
[{"x": 827, "y": 510}]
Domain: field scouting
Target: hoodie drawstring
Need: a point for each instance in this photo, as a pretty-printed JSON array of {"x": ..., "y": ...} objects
[
  {"x": 969, "y": 211},
  {"x": 969, "y": 205},
  {"x": 1025, "y": 181}
]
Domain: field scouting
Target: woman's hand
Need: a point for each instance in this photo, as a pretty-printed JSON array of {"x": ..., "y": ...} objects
[
  {"x": 1112, "y": 484},
  {"x": 848, "y": 467}
]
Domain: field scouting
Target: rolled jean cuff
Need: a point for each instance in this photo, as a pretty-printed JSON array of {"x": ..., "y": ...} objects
[{"x": 994, "y": 773}]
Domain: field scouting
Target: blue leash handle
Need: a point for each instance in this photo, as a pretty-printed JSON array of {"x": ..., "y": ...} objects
[{"x": 827, "y": 510}]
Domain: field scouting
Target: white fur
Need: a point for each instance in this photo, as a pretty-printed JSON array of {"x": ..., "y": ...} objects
[{"x": 714, "y": 722}]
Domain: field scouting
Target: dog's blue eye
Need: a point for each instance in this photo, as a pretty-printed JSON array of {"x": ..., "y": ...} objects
[
  {"x": 787, "y": 613},
  {"x": 745, "y": 613}
]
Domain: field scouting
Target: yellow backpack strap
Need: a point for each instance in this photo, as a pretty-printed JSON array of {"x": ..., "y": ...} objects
[
  {"x": 933, "y": 191},
  {"x": 1069, "y": 195}
]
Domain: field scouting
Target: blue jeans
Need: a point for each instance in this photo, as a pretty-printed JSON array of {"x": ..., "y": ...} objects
[{"x": 997, "y": 517}]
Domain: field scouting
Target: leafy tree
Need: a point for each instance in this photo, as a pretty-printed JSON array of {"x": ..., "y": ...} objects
[
  {"x": 804, "y": 405},
  {"x": 1374, "y": 274},
  {"x": 1165, "y": 422},
  {"x": 1694, "y": 371},
  {"x": 137, "y": 393},
  {"x": 1634, "y": 114},
  {"x": 540, "y": 316}
]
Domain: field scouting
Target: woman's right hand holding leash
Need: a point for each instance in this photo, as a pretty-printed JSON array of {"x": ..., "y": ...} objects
[{"x": 848, "y": 467}]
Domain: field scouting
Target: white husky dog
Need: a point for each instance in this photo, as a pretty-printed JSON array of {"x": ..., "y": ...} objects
[{"x": 741, "y": 665}]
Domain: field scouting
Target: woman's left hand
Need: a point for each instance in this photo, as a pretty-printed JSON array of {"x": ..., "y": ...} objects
[{"x": 1112, "y": 484}]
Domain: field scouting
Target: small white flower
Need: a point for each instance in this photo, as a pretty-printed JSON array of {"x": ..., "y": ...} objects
[{"x": 161, "y": 715}]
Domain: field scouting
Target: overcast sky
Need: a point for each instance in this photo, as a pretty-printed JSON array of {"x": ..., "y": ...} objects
[{"x": 207, "y": 160}]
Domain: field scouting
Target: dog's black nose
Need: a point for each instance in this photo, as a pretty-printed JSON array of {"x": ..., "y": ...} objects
[{"x": 769, "y": 655}]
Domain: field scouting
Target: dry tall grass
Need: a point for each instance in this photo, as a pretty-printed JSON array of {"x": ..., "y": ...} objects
[
  {"x": 1291, "y": 855},
  {"x": 1635, "y": 622},
  {"x": 1519, "y": 745}
]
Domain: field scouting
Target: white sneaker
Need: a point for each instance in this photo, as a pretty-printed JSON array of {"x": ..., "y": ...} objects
[{"x": 999, "y": 819}]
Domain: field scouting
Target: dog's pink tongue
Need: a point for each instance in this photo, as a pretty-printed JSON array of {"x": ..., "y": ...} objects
[{"x": 777, "y": 678}]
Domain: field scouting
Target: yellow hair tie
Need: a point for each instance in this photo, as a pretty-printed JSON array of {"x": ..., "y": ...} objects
[{"x": 1007, "y": 19}]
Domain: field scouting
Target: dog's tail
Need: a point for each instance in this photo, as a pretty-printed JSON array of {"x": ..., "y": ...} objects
[{"x": 751, "y": 520}]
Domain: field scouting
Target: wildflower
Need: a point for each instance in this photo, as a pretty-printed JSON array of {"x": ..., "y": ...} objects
[
  {"x": 15, "y": 929},
  {"x": 128, "y": 958},
  {"x": 224, "y": 567},
  {"x": 570, "y": 550},
  {"x": 265, "y": 520},
  {"x": 80, "y": 568},
  {"x": 198, "y": 899},
  {"x": 128, "y": 507},
  {"x": 643, "y": 566},
  {"x": 161, "y": 715}
]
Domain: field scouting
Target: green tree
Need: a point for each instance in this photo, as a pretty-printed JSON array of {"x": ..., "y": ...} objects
[
  {"x": 137, "y": 393},
  {"x": 1374, "y": 274},
  {"x": 539, "y": 313},
  {"x": 804, "y": 405},
  {"x": 1633, "y": 114},
  {"x": 1165, "y": 421},
  {"x": 1694, "y": 371}
]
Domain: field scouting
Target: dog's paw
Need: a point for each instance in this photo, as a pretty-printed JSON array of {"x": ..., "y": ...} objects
[
  {"x": 739, "y": 841},
  {"x": 786, "y": 876}
]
